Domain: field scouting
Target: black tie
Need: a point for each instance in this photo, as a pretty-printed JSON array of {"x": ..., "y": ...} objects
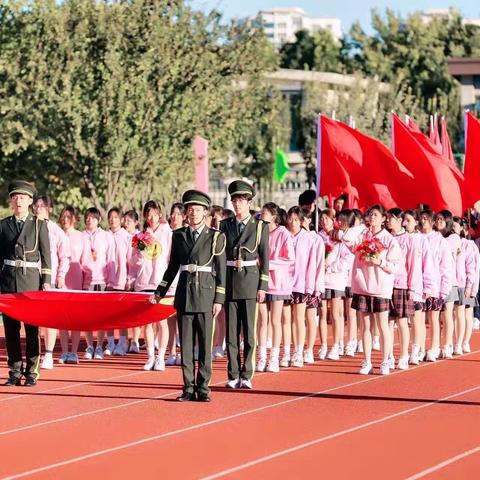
[
  {"x": 196, "y": 234},
  {"x": 20, "y": 225},
  {"x": 241, "y": 228}
]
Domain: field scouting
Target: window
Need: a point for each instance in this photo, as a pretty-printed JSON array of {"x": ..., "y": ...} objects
[
  {"x": 268, "y": 24},
  {"x": 476, "y": 82},
  {"x": 282, "y": 26}
]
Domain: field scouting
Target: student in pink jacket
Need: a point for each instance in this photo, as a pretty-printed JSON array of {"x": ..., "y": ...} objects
[
  {"x": 421, "y": 278},
  {"x": 303, "y": 274},
  {"x": 315, "y": 300},
  {"x": 60, "y": 258},
  {"x": 281, "y": 259},
  {"x": 444, "y": 265},
  {"x": 145, "y": 273},
  {"x": 444, "y": 224},
  {"x": 122, "y": 240},
  {"x": 99, "y": 270},
  {"x": 372, "y": 281},
  {"x": 337, "y": 267},
  {"x": 74, "y": 279}
]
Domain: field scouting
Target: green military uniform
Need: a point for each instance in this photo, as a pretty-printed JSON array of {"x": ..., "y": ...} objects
[
  {"x": 201, "y": 284},
  {"x": 25, "y": 263},
  {"x": 243, "y": 282}
]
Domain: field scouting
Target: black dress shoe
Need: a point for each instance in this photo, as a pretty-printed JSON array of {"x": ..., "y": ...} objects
[
  {"x": 30, "y": 382},
  {"x": 13, "y": 382},
  {"x": 186, "y": 397},
  {"x": 203, "y": 397}
]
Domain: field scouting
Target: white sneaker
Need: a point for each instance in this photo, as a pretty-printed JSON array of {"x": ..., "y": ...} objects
[
  {"x": 458, "y": 350},
  {"x": 403, "y": 363},
  {"x": 63, "y": 358},
  {"x": 109, "y": 349},
  {"x": 72, "y": 358},
  {"x": 178, "y": 360},
  {"x": 149, "y": 363},
  {"x": 322, "y": 352},
  {"x": 171, "y": 360},
  {"x": 308, "y": 357},
  {"x": 421, "y": 356},
  {"x": 246, "y": 384},
  {"x": 134, "y": 347},
  {"x": 341, "y": 349},
  {"x": 366, "y": 368},
  {"x": 385, "y": 368},
  {"x": 376, "y": 344},
  {"x": 89, "y": 352},
  {"x": 466, "y": 347},
  {"x": 476, "y": 324},
  {"x": 159, "y": 364},
  {"x": 273, "y": 365},
  {"x": 351, "y": 348},
  {"x": 261, "y": 365},
  {"x": 414, "y": 360},
  {"x": 333, "y": 353},
  {"x": 285, "y": 362},
  {"x": 360, "y": 346},
  {"x": 218, "y": 353},
  {"x": 431, "y": 357},
  {"x": 47, "y": 362},
  {"x": 98, "y": 353},
  {"x": 233, "y": 383},
  {"x": 391, "y": 363},
  {"x": 297, "y": 360},
  {"x": 447, "y": 352}
]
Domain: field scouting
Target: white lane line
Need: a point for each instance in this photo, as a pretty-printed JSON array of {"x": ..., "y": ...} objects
[
  {"x": 206, "y": 424},
  {"x": 316, "y": 441},
  {"x": 444, "y": 464}
]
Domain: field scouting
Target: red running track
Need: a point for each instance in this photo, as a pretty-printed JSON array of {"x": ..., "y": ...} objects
[{"x": 111, "y": 419}]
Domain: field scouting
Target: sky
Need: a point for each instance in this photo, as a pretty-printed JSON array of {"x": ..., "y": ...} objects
[{"x": 348, "y": 10}]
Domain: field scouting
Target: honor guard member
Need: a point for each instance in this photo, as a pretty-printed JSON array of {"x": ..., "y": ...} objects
[
  {"x": 199, "y": 253},
  {"x": 247, "y": 282},
  {"x": 25, "y": 260}
]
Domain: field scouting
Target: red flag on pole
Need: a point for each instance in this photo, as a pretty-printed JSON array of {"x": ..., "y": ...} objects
[
  {"x": 439, "y": 185},
  {"x": 446, "y": 145},
  {"x": 362, "y": 167},
  {"x": 472, "y": 156},
  {"x": 200, "y": 152},
  {"x": 434, "y": 135}
]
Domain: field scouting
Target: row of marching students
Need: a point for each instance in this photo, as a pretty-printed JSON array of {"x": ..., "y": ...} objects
[{"x": 374, "y": 270}]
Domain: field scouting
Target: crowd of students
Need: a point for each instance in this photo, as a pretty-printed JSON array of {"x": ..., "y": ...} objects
[{"x": 370, "y": 273}]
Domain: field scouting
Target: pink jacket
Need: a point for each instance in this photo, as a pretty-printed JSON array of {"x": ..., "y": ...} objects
[
  {"x": 476, "y": 254},
  {"x": 146, "y": 274},
  {"x": 443, "y": 264},
  {"x": 122, "y": 240},
  {"x": 304, "y": 271},
  {"x": 467, "y": 272},
  {"x": 338, "y": 264},
  {"x": 99, "y": 266},
  {"x": 281, "y": 259},
  {"x": 368, "y": 279},
  {"x": 455, "y": 243},
  {"x": 78, "y": 254},
  {"x": 59, "y": 251},
  {"x": 319, "y": 264}
]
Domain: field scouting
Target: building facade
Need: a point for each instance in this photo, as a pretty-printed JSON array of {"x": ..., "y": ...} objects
[{"x": 467, "y": 72}]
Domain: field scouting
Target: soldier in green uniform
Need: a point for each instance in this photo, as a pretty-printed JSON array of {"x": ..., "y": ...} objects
[
  {"x": 25, "y": 263},
  {"x": 247, "y": 282},
  {"x": 199, "y": 253}
]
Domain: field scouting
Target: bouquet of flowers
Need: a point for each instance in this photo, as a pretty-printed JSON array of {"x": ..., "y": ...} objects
[
  {"x": 146, "y": 243},
  {"x": 371, "y": 247}
]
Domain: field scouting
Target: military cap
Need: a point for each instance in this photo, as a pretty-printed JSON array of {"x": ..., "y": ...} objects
[
  {"x": 21, "y": 186},
  {"x": 196, "y": 197},
  {"x": 240, "y": 187}
]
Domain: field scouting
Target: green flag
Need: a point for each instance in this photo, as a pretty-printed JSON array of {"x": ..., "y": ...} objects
[{"x": 281, "y": 167}]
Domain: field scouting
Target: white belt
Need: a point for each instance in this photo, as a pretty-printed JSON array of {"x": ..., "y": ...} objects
[
  {"x": 241, "y": 263},
  {"x": 21, "y": 264},
  {"x": 192, "y": 268}
]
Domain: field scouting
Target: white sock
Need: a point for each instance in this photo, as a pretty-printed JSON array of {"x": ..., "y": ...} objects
[
  {"x": 286, "y": 351},
  {"x": 151, "y": 352},
  {"x": 274, "y": 352},
  {"x": 111, "y": 340},
  {"x": 299, "y": 350},
  {"x": 161, "y": 352},
  {"x": 122, "y": 340},
  {"x": 263, "y": 352}
]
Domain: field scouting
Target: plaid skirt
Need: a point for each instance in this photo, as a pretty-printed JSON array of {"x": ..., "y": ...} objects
[
  {"x": 270, "y": 297},
  {"x": 462, "y": 300},
  {"x": 402, "y": 306},
  {"x": 452, "y": 296},
  {"x": 348, "y": 292},
  {"x": 433, "y": 304},
  {"x": 314, "y": 301},
  {"x": 297, "y": 298},
  {"x": 330, "y": 293},
  {"x": 369, "y": 304}
]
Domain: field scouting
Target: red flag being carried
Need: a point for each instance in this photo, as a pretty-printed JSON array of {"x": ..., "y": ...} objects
[
  {"x": 439, "y": 184},
  {"x": 446, "y": 145},
  {"x": 433, "y": 134},
  {"x": 472, "y": 156},
  {"x": 362, "y": 167}
]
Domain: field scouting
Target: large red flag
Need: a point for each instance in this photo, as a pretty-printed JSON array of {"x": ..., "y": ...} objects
[
  {"x": 472, "y": 156},
  {"x": 446, "y": 145},
  {"x": 433, "y": 134},
  {"x": 361, "y": 166},
  {"x": 440, "y": 186}
]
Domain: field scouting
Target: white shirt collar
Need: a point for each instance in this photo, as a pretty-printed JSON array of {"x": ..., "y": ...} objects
[
  {"x": 18, "y": 219},
  {"x": 199, "y": 230},
  {"x": 244, "y": 221}
]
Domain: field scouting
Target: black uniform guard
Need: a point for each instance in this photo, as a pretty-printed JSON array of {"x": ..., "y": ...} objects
[
  {"x": 25, "y": 264},
  {"x": 199, "y": 253},
  {"x": 247, "y": 276}
]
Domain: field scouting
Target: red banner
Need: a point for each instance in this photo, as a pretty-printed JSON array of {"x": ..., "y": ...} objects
[
  {"x": 472, "y": 156},
  {"x": 84, "y": 311}
]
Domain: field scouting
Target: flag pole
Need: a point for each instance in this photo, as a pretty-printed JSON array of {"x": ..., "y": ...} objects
[
  {"x": 392, "y": 133},
  {"x": 319, "y": 166}
]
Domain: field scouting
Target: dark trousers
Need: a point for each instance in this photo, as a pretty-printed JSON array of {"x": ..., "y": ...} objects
[
  {"x": 191, "y": 327},
  {"x": 14, "y": 349},
  {"x": 241, "y": 316}
]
